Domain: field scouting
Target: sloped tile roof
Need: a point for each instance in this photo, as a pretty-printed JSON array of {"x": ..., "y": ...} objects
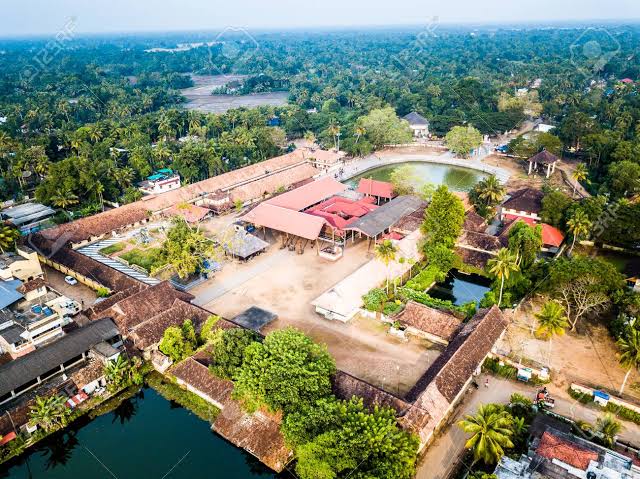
[
  {"x": 429, "y": 320},
  {"x": 553, "y": 447},
  {"x": 464, "y": 354},
  {"x": 372, "y": 187},
  {"x": 528, "y": 200}
]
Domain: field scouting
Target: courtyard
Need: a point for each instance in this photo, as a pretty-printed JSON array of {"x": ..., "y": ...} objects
[{"x": 285, "y": 283}]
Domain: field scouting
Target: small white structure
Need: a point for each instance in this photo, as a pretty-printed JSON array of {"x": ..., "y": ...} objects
[
  {"x": 543, "y": 128},
  {"x": 160, "y": 182},
  {"x": 546, "y": 160},
  {"x": 418, "y": 123}
]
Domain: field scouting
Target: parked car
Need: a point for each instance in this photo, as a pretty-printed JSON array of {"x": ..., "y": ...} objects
[
  {"x": 70, "y": 280},
  {"x": 502, "y": 148}
]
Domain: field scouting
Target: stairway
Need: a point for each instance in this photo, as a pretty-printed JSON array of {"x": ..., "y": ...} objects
[{"x": 93, "y": 251}]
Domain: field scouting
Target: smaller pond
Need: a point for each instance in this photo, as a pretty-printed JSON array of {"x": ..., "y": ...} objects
[
  {"x": 460, "y": 288},
  {"x": 455, "y": 177}
]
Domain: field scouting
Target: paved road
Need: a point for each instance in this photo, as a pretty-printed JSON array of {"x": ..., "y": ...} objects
[
  {"x": 442, "y": 455},
  {"x": 259, "y": 266}
]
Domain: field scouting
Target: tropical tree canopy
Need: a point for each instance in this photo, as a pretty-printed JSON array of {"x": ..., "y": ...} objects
[{"x": 491, "y": 433}]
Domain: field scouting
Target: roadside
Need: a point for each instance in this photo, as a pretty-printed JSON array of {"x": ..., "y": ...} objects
[{"x": 441, "y": 457}]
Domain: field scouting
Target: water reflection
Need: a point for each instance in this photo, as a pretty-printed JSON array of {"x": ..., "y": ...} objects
[
  {"x": 460, "y": 288},
  {"x": 456, "y": 178}
]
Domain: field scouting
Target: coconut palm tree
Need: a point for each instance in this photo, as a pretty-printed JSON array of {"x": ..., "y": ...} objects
[
  {"x": 49, "y": 412},
  {"x": 386, "y": 252},
  {"x": 629, "y": 352},
  {"x": 491, "y": 432},
  {"x": 359, "y": 131},
  {"x": 8, "y": 237},
  {"x": 491, "y": 190},
  {"x": 502, "y": 266},
  {"x": 581, "y": 173},
  {"x": 608, "y": 428},
  {"x": 310, "y": 137},
  {"x": 552, "y": 321},
  {"x": 334, "y": 130},
  {"x": 64, "y": 198},
  {"x": 579, "y": 225}
]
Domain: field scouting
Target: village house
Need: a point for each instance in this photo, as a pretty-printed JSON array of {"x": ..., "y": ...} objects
[
  {"x": 555, "y": 452},
  {"x": 418, "y": 124},
  {"x": 436, "y": 325},
  {"x": 160, "y": 182},
  {"x": 526, "y": 202},
  {"x": 55, "y": 359},
  {"x": 27, "y": 217}
]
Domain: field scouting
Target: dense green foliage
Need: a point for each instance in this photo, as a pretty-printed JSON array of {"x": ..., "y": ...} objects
[
  {"x": 179, "y": 342},
  {"x": 284, "y": 372},
  {"x": 228, "y": 350},
  {"x": 336, "y": 438}
]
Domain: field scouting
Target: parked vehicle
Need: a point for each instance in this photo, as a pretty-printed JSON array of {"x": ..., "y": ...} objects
[
  {"x": 70, "y": 280},
  {"x": 543, "y": 399}
]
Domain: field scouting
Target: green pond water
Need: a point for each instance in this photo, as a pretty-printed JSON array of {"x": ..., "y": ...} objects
[
  {"x": 145, "y": 437},
  {"x": 456, "y": 178}
]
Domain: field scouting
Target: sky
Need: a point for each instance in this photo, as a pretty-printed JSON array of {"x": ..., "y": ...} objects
[{"x": 28, "y": 17}]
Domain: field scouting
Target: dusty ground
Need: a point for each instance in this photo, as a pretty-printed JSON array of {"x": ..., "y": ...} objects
[
  {"x": 286, "y": 283},
  {"x": 200, "y": 98},
  {"x": 78, "y": 292},
  {"x": 588, "y": 356}
]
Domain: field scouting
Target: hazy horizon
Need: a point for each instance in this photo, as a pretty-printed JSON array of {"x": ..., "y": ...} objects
[{"x": 35, "y": 18}]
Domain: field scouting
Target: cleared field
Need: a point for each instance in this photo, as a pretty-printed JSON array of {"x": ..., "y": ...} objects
[{"x": 200, "y": 98}]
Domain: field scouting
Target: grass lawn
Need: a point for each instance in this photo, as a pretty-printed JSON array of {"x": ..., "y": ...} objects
[
  {"x": 146, "y": 258},
  {"x": 114, "y": 248}
]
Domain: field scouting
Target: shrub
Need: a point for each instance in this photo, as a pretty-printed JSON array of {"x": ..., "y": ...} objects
[
  {"x": 374, "y": 300},
  {"x": 584, "y": 398},
  {"x": 171, "y": 391},
  {"x": 102, "y": 292},
  {"x": 114, "y": 248},
  {"x": 493, "y": 365},
  {"x": 424, "y": 279},
  {"x": 623, "y": 412},
  {"x": 424, "y": 298}
]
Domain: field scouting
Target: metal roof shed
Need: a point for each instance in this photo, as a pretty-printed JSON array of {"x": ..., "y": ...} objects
[
  {"x": 255, "y": 318},
  {"x": 386, "y": 215}
]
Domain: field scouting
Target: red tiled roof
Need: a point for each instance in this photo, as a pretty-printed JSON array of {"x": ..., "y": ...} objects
[
  {"x": 552, "y": 447},
  {"x": 31, "y": 285},
  {"x": 191, "y": 213},
  {"x": 309, "y": 194},
  {"x": 285, "y": 220},
  {"x": 430, "y": 320},
  {"x": 526, "y": 219},
  {"x": 383, "y": 189},
  {"x": 551, "y": 236}
]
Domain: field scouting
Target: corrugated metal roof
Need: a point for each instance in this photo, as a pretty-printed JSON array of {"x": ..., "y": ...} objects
[
  {"x": 386, "y": 215},
  {"x": 9, "y": 292},
  {"x": 25, "y": 369}
]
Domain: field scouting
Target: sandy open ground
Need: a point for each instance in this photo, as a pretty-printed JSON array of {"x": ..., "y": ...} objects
[
  {"x": 286, "y": 283},
  {"x": 200, "y": 98}
]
